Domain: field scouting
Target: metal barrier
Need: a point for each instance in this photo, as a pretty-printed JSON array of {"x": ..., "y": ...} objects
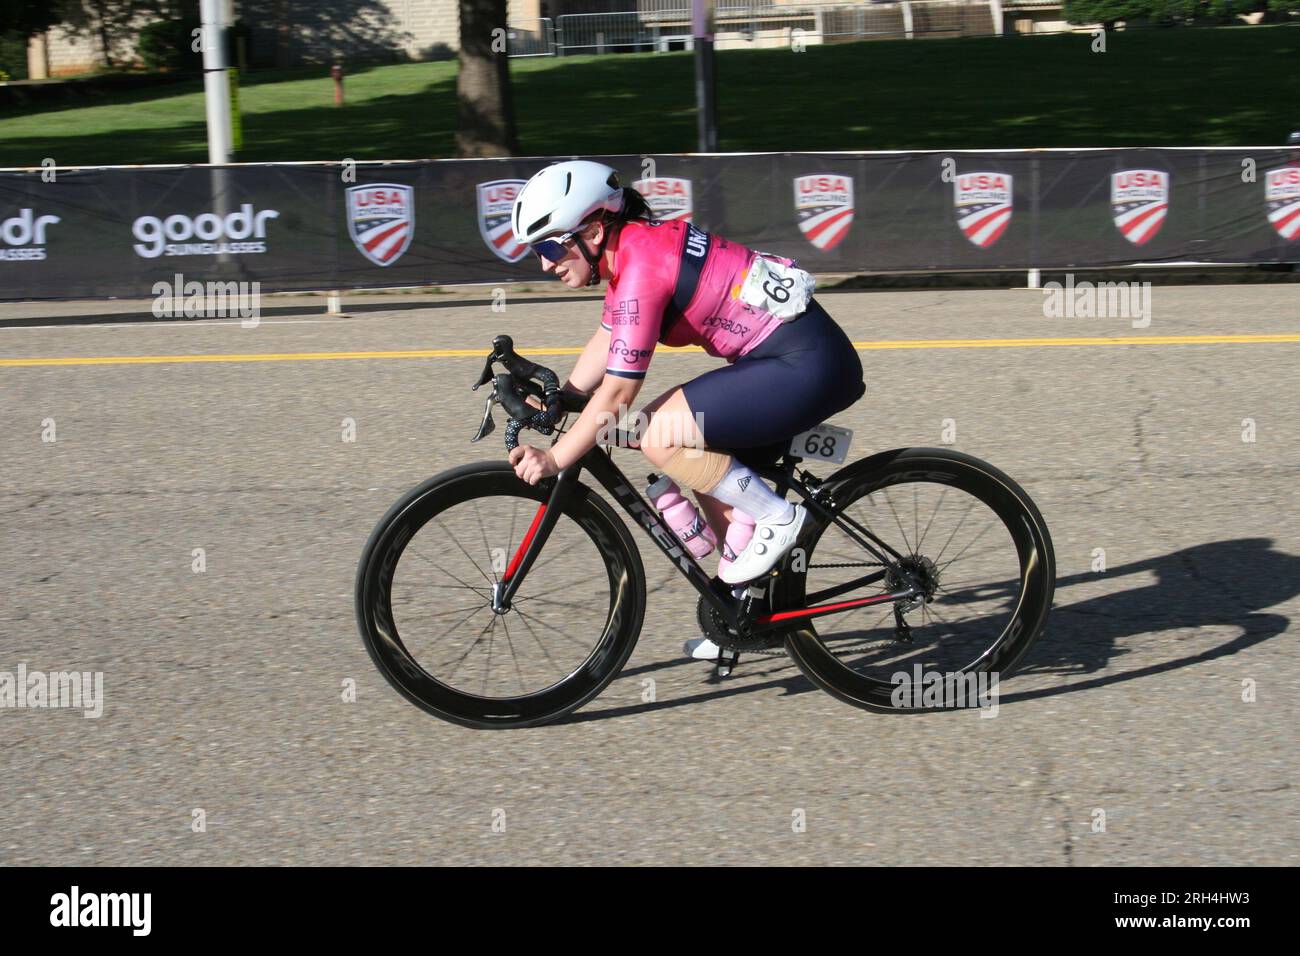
[
  {"x": 662, "y": 25},
  {"x": 534, "y": 37}
]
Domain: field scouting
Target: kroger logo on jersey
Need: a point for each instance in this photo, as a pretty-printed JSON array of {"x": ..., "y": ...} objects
[
  {"x": 619, "y": 348},
  {"x": 1282, "y": 197},
  {"x": 23, "y": 237},
  {"x": 983, "y": 205},
  {"x": 1139, "y": 201},
  {"x": 495, "y": 200},
  {"x": 823, "y": 204},
  {"x": 667, "y": 197},
  {"x": 381, "y": 220},
  {"x": 238, "y": 233}
]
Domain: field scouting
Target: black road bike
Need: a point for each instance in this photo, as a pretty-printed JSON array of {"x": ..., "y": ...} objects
[{"x": 493, "y": 603}]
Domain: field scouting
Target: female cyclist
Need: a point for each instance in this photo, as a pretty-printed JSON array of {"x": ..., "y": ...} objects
[{"x": 790, "y": 365}]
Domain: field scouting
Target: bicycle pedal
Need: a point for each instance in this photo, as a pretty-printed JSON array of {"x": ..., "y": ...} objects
[{"x": 722, "y": 667}]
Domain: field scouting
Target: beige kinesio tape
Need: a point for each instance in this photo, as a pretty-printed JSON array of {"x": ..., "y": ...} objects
[{"x": 697, "y": 468}]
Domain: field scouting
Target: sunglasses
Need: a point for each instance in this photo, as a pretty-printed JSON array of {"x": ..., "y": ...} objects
[{"x": 554, "y": 248}]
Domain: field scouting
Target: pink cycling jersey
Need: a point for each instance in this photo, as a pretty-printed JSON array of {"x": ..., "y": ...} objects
[{"x": 676, "y": 284}]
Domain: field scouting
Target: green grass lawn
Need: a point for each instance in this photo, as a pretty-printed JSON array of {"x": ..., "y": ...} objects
[{"x": 1234, "y": 86}]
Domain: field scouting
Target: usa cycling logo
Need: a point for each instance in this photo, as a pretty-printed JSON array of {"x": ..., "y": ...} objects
[
  {"x": 823, "y": 203},
  {"x": 1282, "y": 196},
  {"x": 381, "y": 220},
  {"x": 983, "y": 205},
  {"x": 495, "y": 200},
  {"x": 1139, "y": 202},
  {"x": 667, "y": 197}
]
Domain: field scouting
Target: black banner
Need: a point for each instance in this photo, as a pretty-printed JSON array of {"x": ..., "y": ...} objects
[{"x": 120, "y": 231}]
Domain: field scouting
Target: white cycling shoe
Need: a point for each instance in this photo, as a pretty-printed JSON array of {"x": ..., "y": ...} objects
[
  {"x": 701, "y": 649},
  {"x": 771, "y": 543}
]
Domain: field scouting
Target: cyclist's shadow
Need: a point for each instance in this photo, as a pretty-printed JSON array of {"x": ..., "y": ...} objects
[{"x": 1224, "y": 583}]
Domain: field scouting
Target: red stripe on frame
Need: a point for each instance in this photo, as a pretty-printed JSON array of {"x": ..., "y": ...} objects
[
  {"x": 523, "y": 545},
  {"x": 805, "y": 611}
]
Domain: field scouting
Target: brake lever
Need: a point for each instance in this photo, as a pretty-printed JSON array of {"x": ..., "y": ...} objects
[
  {"x": 488, "y": 425},
  {"x": 487, "y": 373}
]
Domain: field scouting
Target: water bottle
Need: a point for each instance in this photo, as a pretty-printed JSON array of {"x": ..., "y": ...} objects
[
  {"x": 682, "y": 516},
  {"x": 739, "y": 532}
]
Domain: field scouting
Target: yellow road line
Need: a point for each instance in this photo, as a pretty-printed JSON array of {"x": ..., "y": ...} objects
[{"x": 1279, "y": 338}]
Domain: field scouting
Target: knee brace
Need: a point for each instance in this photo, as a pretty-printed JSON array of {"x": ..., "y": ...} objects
[{"x": 699, "y": 469}]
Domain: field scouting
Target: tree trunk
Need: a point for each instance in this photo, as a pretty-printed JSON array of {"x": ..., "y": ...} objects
[
  {"x": 101, "y": 28},
  {"x": 485, "y": 112}
]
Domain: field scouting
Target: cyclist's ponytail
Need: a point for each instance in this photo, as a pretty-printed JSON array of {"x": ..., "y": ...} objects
[{"x": 634, "y": 206}]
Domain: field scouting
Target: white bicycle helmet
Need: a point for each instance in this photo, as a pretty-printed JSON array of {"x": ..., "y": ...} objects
[{"x": 560, "y": 197}]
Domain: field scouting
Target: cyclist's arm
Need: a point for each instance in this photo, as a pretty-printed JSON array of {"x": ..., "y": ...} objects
[
  {"x": 630, "y": 328},
  {"x": 597, "y": 420},
  {"x": 589, "y": 371}
]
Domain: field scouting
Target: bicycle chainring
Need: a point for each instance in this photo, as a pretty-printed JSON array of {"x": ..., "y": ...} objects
[{"x": 715, "y": 629}]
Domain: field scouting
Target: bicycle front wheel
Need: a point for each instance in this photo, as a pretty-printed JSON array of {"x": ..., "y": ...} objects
[
  {"x": 962, "y": 527},
  {"x": 424, "y": 608}
]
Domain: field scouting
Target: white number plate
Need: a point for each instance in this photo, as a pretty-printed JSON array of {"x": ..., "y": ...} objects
[{"x": 825, "y": 443}]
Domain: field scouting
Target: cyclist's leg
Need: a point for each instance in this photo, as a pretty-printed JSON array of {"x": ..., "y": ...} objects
[
  {"x": 674, "y": 440},
  {"x": 716, "y": 513}
]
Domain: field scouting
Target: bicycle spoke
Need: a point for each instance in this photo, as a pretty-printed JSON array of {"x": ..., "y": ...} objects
[
  {"x": 488, "y": 669},
  {"x": 523, "y": 689},
  {"x": 469, "y": 649},
  {"x": 969, "y": 508},
  {"x": 545, "y": 652},
  {"x": 425, "y": 614},
  {"x": 965, "y": 549},
  {"x": 943, "y": 494},
  {"x": 565, "y": 634},
  {"x": 885, "y": 492},
  {"x": 916, "y": 517},
  {"x": 486, "y": 547},
  {"x": 473, "y": 587},
  {"x": 456, "y": 540},
  {"x": 532, "y": 598}
]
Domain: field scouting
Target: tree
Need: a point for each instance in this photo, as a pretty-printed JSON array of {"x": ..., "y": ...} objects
[
  {"x": 116, "y": 22},
  {"x": 485, "y": 110},
  {"x": 26, "y": 18},
  {"x": 1106, "y": 12}
]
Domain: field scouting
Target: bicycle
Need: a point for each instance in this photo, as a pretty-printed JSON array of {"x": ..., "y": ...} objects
[{"x": 582, "y": 534}]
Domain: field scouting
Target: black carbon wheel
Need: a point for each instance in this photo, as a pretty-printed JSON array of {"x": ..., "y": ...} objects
[
  {"x": 423, "y": 600},
  {"x": 965, "y": 528}
]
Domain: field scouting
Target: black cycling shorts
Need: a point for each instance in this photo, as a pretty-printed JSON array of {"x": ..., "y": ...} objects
[{"x": 799, "y": 376}]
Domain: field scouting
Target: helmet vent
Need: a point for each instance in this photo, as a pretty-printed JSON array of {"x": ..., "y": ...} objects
[
  {"x": 568, "y": 181},
  {"x": 538, "y": 224}
]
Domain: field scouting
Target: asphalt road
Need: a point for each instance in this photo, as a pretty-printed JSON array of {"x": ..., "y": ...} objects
[{"x": 224, "y": 690}]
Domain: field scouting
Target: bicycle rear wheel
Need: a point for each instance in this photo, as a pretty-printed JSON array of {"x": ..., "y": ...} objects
[
  {"x": 963, "y": 527},
  {"x": 424, "y": 591}
]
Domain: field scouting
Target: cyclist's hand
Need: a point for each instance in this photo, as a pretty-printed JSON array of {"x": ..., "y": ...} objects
[{"x": 533, "y": 464}]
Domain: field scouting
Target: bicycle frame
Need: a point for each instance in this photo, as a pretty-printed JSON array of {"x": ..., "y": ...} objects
[{"x": 735, "y": 611}]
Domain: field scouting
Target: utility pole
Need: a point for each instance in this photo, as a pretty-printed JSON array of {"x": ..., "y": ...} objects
[
  {"x": 706, "y": 100},
  {"x": 216, "y": 85}
]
